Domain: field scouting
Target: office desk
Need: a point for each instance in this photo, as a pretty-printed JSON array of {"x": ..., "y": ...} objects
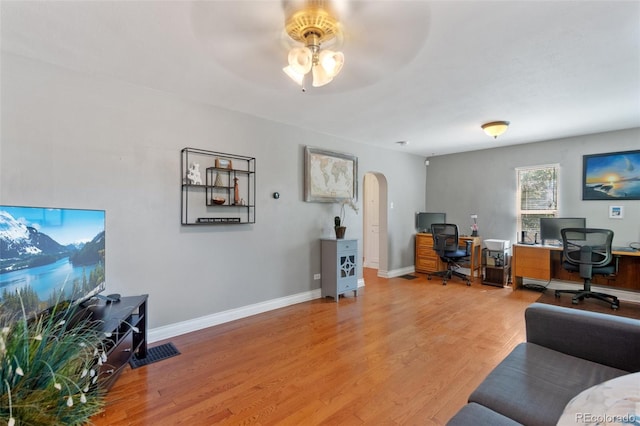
[
  {"x": 427, "y": 260},
  {"x": 545, "y": 263}
]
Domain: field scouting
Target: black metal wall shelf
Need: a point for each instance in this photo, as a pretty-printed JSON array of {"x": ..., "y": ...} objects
[{"x": 220, "y": 190}]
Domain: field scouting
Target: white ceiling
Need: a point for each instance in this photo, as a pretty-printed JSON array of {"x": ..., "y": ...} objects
[{"x": 426, "y": 72}]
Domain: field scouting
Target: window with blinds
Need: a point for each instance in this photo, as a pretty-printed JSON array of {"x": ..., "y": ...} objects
[{"x": 537, "y": 197}]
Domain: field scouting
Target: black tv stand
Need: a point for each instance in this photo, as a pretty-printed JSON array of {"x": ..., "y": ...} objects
[{"x": 124, "y": 324}]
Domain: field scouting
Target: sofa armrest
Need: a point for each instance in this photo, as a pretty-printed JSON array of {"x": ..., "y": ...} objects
[{"x": 606, "y": 339}]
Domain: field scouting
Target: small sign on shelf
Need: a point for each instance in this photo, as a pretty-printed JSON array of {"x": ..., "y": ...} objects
[{"x": 218, "y": 220}]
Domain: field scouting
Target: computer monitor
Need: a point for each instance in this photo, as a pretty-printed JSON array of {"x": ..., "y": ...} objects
[
  {"x": 550, "y": 228},
  {"x": 425, "y": 219}
]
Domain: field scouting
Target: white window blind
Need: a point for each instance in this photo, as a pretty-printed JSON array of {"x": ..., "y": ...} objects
[{"x": 537, "y": 197}]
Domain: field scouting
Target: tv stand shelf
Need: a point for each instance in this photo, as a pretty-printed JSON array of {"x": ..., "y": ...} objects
[{"x": 124, "y": 324}]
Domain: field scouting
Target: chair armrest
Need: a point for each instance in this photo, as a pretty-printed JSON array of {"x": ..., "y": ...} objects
[{"x": 606, "y": 339}]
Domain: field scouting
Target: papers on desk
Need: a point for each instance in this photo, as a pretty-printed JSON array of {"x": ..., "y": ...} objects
[{"x": 624, "y": 248}]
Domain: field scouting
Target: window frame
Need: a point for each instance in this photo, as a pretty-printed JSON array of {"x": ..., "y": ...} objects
[{"x": 552, "y": 212}]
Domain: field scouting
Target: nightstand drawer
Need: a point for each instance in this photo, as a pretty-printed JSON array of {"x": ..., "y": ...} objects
[{"x": 346, "y": 245}]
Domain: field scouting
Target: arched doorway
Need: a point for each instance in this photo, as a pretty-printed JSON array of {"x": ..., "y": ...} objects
[{"x": 374, "y": 225}]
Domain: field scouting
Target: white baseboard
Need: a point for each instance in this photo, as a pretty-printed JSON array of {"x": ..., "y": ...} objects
[
  {"x": 183, "y": 327},
  {"x": 396, "y": 272},
  {"x": 176, "y": 329}
]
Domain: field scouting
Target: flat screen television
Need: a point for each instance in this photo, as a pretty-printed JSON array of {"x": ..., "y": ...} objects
[
  {"x": 49, "y": 255},
  {"x": 550, "y": 228},
  {"x": 425, "y": 219}
]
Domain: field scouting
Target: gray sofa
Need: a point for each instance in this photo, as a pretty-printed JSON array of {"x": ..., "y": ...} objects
[{"x": 567, "y": 351}]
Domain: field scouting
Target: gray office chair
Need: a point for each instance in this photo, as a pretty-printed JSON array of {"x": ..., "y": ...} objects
[
  {"x": 446, "y": 245},
  {"x": 588, "y": 251}
]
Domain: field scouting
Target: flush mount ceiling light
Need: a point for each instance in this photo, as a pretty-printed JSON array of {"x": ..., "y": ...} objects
[
  {"x": 495, "y": 128},
  {"x": 311, "y": 26}
]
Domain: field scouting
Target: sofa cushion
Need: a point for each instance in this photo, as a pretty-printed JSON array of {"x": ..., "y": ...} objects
[
  {"x": 478, "y": 415},
  {"x": 574, "y": 332},
  {"x": 533, "y": 384}
]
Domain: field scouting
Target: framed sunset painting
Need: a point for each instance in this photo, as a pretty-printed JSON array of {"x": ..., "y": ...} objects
[{"x": 611, "y": 176}]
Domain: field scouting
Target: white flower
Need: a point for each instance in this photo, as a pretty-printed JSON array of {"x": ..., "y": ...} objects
[
  {"x": 5, "y": 330},
  {"x": 19, "y": 371},
  {"x": 343, "y": 203},
  {"x": 69, "y": 401},
  {"x": 84, "y": 373},
  {"x": 38, "y": 337},
  {"x": 92, "y": 372},
  {"x": 63, "y": 322},
  {"x": 103, "y": 357},
  {"x": 351, "y": 204},
  {"x": 108, "y": 334},
  {"x": 11, "y": 422},
  {"x": 57, "y": 386},
  {"x": 86, "y": 389},
  {"x": 135, "y": 329},
  {"x": 83, "y": 398}
]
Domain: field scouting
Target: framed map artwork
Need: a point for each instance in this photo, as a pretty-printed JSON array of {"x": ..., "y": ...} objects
[{"x": 330, "y": 177}]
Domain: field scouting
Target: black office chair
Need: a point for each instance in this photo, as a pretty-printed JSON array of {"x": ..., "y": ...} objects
[
  {"x": 588, "y": 251},
  {"x": 446, "y": 244}
]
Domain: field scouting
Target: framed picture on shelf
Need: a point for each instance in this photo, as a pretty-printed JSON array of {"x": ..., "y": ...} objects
[
  {"x": 329, "y": 176},
  {"x": 223, "y": 163},
  {"x": 611, "y": 176}
]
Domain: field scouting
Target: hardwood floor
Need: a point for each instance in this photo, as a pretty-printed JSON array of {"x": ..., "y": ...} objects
[{"x": 401, "y": 352}]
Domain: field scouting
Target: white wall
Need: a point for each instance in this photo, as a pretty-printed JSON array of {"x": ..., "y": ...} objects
[
  {"x": 85, "y": 141},
  {"x": 484, "y": 182}
]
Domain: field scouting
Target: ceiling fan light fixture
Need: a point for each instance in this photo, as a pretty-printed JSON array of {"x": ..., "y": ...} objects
[
  {"x": 300, "y": 59},
  {"x": 328, "y": 66},
  {"x": 320, "y": 76},
  {"x": 298, "y": 77},
  {"x": 313, "y": 25},
  {"x": 331, "y": 61},
  {"x": 495, "y": 128}
]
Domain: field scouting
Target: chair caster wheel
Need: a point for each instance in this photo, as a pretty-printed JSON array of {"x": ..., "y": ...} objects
[
  {"x": 557, "y": 293},
  {"x": 444, "y": 283},
  {"x": 575, "y": 302},
  {"x": 429, "y": 278},
  {"x": 468, "y": 283},
  {"x": 615, "y": 307}
]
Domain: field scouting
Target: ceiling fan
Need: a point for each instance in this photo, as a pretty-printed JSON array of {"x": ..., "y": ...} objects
[
  {"x": 256, "y": 39},
  {"x": 313, "y": 24}
]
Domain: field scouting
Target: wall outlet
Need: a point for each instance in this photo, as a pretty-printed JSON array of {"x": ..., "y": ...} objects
[{"x": 316, "y": 276}]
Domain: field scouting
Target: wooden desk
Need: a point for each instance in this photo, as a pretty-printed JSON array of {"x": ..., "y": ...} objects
[
  {"x": 427, "y": 260},
  {"x": 545, "y": 263}
]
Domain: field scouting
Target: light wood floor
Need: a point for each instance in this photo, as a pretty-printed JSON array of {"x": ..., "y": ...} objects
[{"x": 403, "y": 352}]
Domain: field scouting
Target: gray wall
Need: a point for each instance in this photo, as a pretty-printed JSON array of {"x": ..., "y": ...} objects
[
  {"x": 484, "y": 182},
  {"x": 83, "y": 141}
]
